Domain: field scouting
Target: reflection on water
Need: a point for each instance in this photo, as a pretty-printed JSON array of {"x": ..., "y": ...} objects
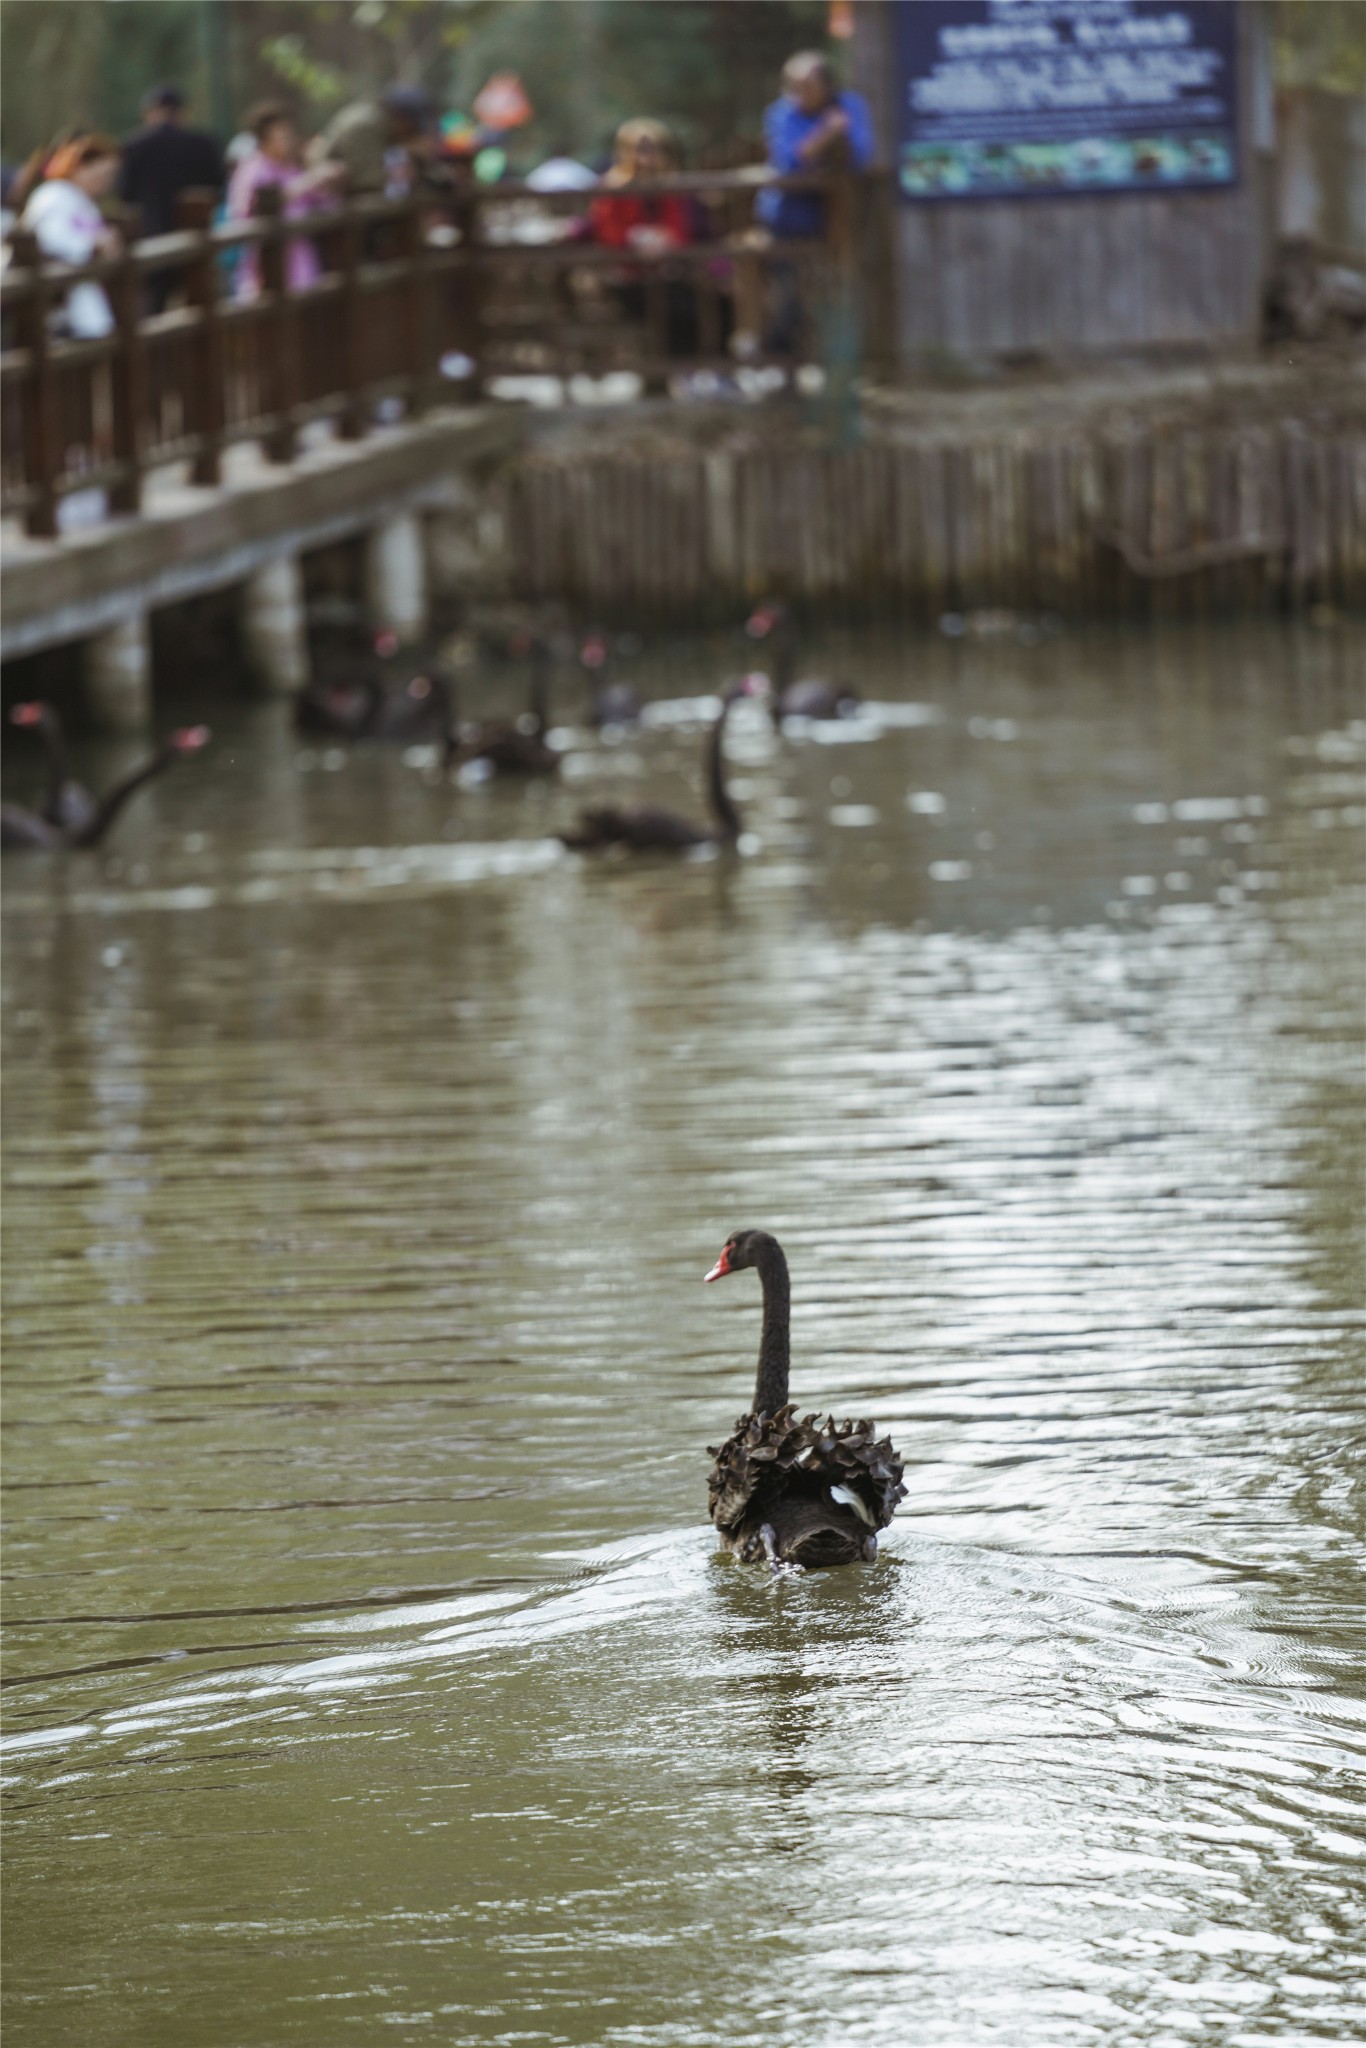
[{"x": 368, "y": 1659}]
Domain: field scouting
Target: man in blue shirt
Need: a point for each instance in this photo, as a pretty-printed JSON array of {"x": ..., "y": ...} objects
[{"x": 813, "y": 127}]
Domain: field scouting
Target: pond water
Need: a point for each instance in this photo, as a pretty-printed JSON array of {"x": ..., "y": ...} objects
[{"x": 371, "y": 1671}]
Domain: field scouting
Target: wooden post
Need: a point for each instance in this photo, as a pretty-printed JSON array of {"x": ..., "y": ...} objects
[
  {"x": 118, "y": 674},
  {"x": 417, "y": 364},
  {"x": 656, "y": 327},
  {"x": 129, "y": 370},
  {"x": 195, "y": 211},
  {"x": 39, "y": 412},
  {"x": 843, "y": 337},
  {"x": 347, "y": 241},
  {"x": 396, "y": 575},
  {"x": 278, "y": 327},
  {"x": 273, "y": 624},
  {"x": 708, "y": 302},
  {"x": 468, "y": 283}
]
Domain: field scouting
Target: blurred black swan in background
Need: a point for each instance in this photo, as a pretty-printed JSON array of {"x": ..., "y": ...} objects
[
  {"x": 351, "y": 697},
  {"x": 68, "y": 804},
  {"x": 651, "y": 827},
  {"x": 795, "y": 1492},
  {"x": 21, "y": 827},
  {"x": 808, "y": 696},
  {"x": 510, "y": 746},
  {"x": 614, "y": 703}
]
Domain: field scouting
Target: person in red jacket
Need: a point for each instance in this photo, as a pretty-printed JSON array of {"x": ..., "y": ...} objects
[
  {"x": 642, "y": 220},
  {"x": 626, "y": 215}
]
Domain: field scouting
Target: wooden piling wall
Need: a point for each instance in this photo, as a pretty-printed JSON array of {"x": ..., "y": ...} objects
[{"x": 1128, "y": 520}]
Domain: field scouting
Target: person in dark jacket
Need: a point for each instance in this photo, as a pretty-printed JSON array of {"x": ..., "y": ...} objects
[{"x": 162, "y": 160}]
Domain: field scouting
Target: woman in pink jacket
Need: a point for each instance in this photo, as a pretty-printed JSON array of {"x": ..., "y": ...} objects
[{"x": 275, "y": 161}]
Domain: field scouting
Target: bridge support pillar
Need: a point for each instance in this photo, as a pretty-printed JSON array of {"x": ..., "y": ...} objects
[
  {"x": 273, "y": 624},
  {"x": 396, "y": 575},
  {"x": 118, "y": 675}
]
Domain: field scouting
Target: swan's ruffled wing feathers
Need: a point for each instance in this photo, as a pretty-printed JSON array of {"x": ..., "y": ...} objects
[{"x": 771, "y": 1455}]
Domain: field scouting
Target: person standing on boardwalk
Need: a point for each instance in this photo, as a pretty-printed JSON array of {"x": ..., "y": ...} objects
[
  {"x": 160, "y": 161},
  {"x": 276, "y": 161},
  {"x": 385, "y": 146},
  {"x": 64, "y": 214},
  {"x": 814, "y": 126}
]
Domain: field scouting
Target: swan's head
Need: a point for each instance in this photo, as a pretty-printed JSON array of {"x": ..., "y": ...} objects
[
  {"x": 432, "y": 686},
  {"x": 755, "y": 684},
  {"x": 29, "y": 714},
  {"x": 189, "y": 739},
  {"x": 763, "y": 620},
  {"x": 741, "y": 1248}
]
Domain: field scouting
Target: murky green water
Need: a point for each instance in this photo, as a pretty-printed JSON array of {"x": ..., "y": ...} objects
[{"x": 371, "y": 1673}]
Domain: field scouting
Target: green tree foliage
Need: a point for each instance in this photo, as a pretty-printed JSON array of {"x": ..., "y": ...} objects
[
  {"x": 329, "y": 51},
  {"x": 90, "y": 61},
  {"x": 707, "y": 67},
  {"x": 1320, "y": 42}
]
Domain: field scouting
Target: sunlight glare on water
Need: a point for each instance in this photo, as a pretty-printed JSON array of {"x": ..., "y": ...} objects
[{"x": 369, "y": 1662}]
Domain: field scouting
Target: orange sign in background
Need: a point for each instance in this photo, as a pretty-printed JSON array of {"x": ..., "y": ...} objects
[{"x": 502, "y": 102}]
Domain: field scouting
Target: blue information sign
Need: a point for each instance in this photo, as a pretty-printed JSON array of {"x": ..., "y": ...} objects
[{"x": 1001, "y": 98}]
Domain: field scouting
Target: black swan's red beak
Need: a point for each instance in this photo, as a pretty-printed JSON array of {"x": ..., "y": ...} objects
[
  {"x": 27, "y": 714},
  {"x": 761, "y": 622},
  {"x": 720, "y": 1269}
]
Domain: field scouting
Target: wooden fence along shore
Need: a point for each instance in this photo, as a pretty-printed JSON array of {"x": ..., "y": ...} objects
[{"x": 1141, "y": 521}]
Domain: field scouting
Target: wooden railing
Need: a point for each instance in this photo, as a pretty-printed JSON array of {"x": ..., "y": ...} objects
[{"x": 504, "y": 278}]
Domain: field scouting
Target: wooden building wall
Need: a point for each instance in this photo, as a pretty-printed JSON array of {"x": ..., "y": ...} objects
[{"x": 1076, "y": 275}]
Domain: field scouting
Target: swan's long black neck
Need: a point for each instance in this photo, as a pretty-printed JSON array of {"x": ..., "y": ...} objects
[
  {"x": 783, "y": 661},
  {"x": 770, "y": 1383},
  {"x": 372, "y": 698},
  {"x": 55, "y": 743},
  {"x": 539, "y": 705},
  {"x": 722, "y": 805},
  {"x": 113, "y": 801},
  {"x": 450, "y": 699}
]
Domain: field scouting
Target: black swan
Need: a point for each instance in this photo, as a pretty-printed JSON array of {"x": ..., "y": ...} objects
[
  {"x": 796, "y": 1492},
  {"x": 613, "y": 703},
  {"x": 349, "y": 698},
  {"x": 20, "y": 827},
  {"x": 68, "y": 804},
  {"x": 650, "y": 827},
  {"x": 809, "y": 696},
  {"x": 347, "y": 683},
  {"x": 511, "y": 746},
  {"x": 421, "y": 710}
]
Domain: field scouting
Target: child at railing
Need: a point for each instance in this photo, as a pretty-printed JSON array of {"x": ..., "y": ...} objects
[
  {"x": 642, "y": 220},
  {"x": 626, "y": 215},
  {"x": 275, "y": 161}
]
